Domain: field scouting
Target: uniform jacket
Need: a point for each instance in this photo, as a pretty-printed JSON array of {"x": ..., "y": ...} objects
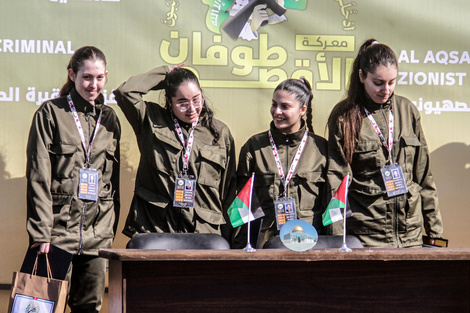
[
  {"x": 307, "y": 186},
  {"x": 380, "y": 221},
  {"x": 55, "y": 156},
  {"x": 161, "y": 162}
]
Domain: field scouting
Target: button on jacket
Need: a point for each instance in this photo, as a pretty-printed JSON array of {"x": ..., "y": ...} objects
[
  {"x": 161, "y": 162},
  {"x": 55, "y": 157},
  {"x": 380, "y": 221},
  {"x": 307, "y": 186}
]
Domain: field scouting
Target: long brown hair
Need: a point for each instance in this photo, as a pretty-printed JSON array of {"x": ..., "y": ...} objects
[
  {"x": 302, "y": 91},
  {"x": 176, "y": 78},
  {"x": 76, "y": 62},
  {"x": 349, "y": 113}
]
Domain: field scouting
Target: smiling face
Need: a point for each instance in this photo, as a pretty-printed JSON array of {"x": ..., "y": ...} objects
[
  {"x": 287, "y": 111},
  {"x": 90, "y": 79},
  {"x": 189, "y": 94},
  {"x": 381, "y": 84}
]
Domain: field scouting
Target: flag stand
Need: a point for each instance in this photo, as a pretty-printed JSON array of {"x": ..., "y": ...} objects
[
  {"x": 345, "y": 247},
  {"x": 248, "y": 247}
]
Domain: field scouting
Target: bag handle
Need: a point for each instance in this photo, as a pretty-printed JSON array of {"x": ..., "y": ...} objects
[{"x": 35, "y": 267}]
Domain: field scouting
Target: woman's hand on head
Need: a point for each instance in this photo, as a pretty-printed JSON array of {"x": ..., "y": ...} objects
[{"x": 177, "y": 66}]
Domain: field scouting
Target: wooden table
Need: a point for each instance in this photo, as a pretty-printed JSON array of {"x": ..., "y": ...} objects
[{"x": 326, "y": 280}]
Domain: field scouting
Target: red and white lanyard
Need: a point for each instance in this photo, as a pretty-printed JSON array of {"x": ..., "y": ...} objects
[
  {"x": 286, "y": 179},
  {"x": 376, "y": 127},
  {"x": 189, "y": 146},
  {"x": 80, "y": 129}
]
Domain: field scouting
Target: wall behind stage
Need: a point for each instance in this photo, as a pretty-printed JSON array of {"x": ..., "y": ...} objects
[{"x": 238, "y": 69}]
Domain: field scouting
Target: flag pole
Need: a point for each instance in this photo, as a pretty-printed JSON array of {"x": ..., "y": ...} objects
[
  {"x": 248, "y": 247},
  {"x": 345, "y": 247}
]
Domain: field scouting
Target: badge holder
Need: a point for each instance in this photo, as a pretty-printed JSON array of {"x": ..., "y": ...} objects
[
  {"x": 285, "y": 211},
  {"x": 185, "y": 191},
  {"x": 88, "y": 184},
  {"x": 394, "y": 180}
]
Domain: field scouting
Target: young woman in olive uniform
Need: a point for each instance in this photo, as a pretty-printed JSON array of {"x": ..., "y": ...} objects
[
  {"x": 72, "y": 137},
  {"x": 376, "y": 135},
  {"x": 179, "y": 143},
  {"x": 288, "y": 146}
]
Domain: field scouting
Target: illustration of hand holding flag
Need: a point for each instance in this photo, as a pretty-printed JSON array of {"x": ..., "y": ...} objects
[
  {"x": 333, "y": 212},
  {"x": 245, "y": 208}
]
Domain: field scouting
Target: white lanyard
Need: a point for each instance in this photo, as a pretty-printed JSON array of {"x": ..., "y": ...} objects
[
  {"x": 80, "y": 129},
  {"x": 189, "y": 146},
  {"x": 376, "y": 127},
  {"x": 286, "y": 179}
]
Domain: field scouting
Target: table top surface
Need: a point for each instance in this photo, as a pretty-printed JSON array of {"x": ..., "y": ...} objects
[{"x": 382, "y": 254}]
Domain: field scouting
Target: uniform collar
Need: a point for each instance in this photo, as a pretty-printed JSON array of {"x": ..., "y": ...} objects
[
  {"x": 202, "y": 119},
  {"x": 373, "y": 107},
  {"x": 293, "y": 139},
  {"x": 84, "y": 106}
]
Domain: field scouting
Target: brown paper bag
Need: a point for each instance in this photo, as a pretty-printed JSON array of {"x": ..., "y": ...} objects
[{"x": 32, "y": 293}]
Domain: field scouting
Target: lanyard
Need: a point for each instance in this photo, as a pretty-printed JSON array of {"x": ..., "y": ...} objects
[
  {"x": 80, "y": 129},
  {"x": 286, "y": 179},
  {"x": 189, "y": 146},
  {"x": 376, "y": 127}
]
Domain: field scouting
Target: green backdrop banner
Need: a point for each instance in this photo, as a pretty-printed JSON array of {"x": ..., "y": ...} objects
[{"x": 240, "y": 51}]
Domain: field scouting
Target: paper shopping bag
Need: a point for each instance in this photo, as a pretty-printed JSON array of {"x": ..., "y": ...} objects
[
  {"x": 58, "y": 258},
  {"x": 32, "y": 293}
]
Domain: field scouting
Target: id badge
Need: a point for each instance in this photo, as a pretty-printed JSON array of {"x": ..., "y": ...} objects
[
  {"x": 88, "y": 184},
  {"x": 185, "y": 191},
  {"x": 285, "y": 211},
  {"x": 394, "y": 180}
]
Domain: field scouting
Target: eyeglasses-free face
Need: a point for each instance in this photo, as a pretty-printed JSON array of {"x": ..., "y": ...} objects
[
  {"x": 380, "y": 85},
  {"x": 90, "y": 79},
  {"x": 287, "y": 111}
]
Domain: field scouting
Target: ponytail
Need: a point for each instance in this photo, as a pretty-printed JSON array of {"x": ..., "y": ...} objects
[
  {"x": 350, "y": 111},
  {"x": 302, "y": 90}
]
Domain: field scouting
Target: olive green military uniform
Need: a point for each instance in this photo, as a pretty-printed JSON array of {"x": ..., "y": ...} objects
[
  {"x": 55, "y": 157},
  {"x": 307, "y": 186},
  {"x": 213, "y": 165},
  {"x": 380, "y": 221}
]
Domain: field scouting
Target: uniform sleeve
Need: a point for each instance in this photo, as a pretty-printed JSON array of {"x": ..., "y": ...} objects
[
  {"x": 228, "y": 186},
  {"x": 245, "y": 166},
  {"x": 38, "y": 174},
  {"x": 244, "y": 171},
  {"x": 321, "y": 201},
  {"x": 129, "y": 94},
  {"x": 115, "y": 177},
  {"x": 229, "y": 178},
  {"x": 422, "y": 176},
  {"x": 338, "y": 168}
]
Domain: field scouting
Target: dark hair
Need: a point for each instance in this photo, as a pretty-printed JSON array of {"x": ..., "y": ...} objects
[
  {"x": 173, "y": 81},
  {"x": 76, "y": 62},
  {"x": 350, "y": 111},
  {"x": 302, "y": 91}
]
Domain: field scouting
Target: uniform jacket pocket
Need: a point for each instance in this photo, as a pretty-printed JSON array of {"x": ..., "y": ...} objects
[
  {"x": 61, "y": 212},
  {"x": 109, "y": 166},
  {"x": 410, "y": 144},
  {"x": 62, "y": 160},
  {"x": 212, "y": 160},
  {"x": 414, "y": 216},
  {"x": 366, "y": 159},
  {"x": 104, "y": 221},
  {"x": 264, "y": 187}
]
